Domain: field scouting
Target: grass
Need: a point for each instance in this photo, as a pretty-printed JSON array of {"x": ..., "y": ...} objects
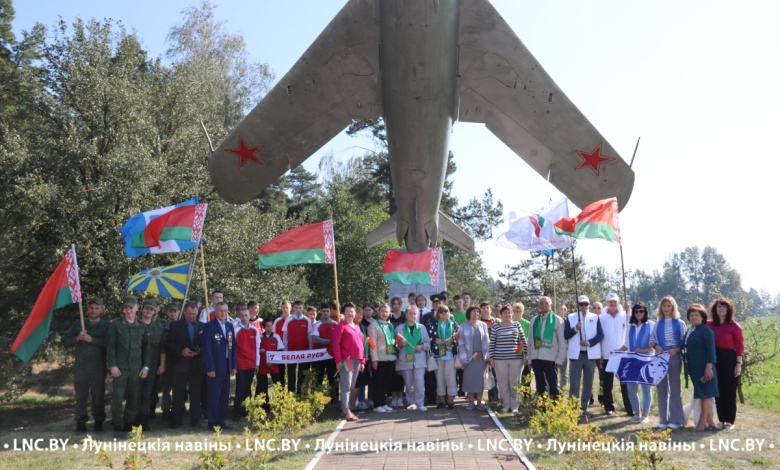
[
  {"x": 752, "y": 423},
  {"x": 77, "y": 458}
]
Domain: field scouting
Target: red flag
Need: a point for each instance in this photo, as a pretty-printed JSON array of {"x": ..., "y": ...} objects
[
  {"x": 371, "y": 342},
  {"x": 347, "y": 364},
  {"x": 519, "y": 349},
  {"x": 398, "y": 339}
]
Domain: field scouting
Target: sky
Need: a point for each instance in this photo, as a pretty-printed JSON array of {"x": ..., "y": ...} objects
[{"x": 696, "y": 80}]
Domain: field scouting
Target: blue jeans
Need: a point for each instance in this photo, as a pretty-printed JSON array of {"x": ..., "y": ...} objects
[{"x": 647, "y": 397}]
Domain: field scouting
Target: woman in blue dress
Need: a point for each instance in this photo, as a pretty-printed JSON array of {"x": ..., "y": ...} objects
[{"x": 700, "y": 359}]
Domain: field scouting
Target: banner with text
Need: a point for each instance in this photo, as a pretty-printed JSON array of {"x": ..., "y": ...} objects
[{"x": 295, "y": 357}]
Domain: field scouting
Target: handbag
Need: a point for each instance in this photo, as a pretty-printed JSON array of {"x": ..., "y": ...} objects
[
  {"x": 432, "y": 364},
  {"x": 487, "y": 379},
  {"x": 458, "y": 364}
]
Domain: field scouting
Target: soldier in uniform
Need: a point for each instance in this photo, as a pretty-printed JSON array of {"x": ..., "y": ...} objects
[
  {"x": 126, "y": 353},
  {"x": 155, "y": 334},
  {"x": 90, "y": 367}
]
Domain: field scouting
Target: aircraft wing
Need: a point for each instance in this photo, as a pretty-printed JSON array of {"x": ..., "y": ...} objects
[
  {"x": 336, "y": 80},
  {"x": 502, "y": 85}
]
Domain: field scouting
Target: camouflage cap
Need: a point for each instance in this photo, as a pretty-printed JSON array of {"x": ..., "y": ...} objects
[
  {"x": 150, "y": 303},
  {"x": 95, "y": 300},
  {"x": 131, "y": 301},
  {"x": 171, "y": 308}
]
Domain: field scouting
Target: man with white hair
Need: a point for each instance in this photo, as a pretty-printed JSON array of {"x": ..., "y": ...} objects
[
  {"x": 614, "y": 324},
  {"x": 582, "y": 329}
]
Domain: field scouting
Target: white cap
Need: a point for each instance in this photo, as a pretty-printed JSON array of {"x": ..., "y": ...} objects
[
  {"x": 612, "y": 296},
  {"x": 583, "y": 298}
]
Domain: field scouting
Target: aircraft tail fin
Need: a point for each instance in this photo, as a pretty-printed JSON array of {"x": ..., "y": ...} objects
[
  {"x": 449, "y": 231},
  {"x": 454, "y": 234},
  {"x": 386, "y": 231}
]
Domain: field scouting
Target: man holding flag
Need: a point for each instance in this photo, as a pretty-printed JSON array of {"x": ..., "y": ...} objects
[
  {"x": 583, "y": 331},
  {"x": 90, "y": 368}
]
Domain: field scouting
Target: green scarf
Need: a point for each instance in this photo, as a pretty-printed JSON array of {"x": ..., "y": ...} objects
[
  {"x": 445, "y": 333},
  {"x": 413, "y": 337},
  {"x": 549, "y": 332},
  {"x": 388, "y": 334},
  {"x": 365, "y": 341}
]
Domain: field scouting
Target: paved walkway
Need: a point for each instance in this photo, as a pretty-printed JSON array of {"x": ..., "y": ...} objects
[{"x": 471, "y": 431}]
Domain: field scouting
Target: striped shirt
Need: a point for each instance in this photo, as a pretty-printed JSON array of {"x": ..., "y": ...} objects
[{"x": 504, "y": 341}]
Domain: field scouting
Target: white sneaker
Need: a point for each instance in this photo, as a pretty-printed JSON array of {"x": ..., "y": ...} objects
[
  {"x": 643, "y": 420},
  {"x": 380, "y": 409},
  {"x": 387, "y": 408},
  {"x": 674, "y": 426},
  {"x": 663, "y": 426},
  {"x": 719, "y": 426},
  {"x": 634, "y": 419},
  {"x": 411, "y": 407},
  {"x": 362, "y": 405},
  {"x": 728, "y": 426},
  {"x": 422, "y": 408}
]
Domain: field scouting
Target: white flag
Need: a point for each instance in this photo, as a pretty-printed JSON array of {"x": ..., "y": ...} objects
[{"x": 535, "y": 231}]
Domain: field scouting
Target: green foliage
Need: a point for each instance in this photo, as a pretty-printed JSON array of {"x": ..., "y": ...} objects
[
  {"x": 652, "y": 457},
  {"x": 221, "y": 455}
]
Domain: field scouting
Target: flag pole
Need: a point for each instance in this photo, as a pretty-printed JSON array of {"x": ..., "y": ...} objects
[
  {"x": 335, "y": 269},
  {"x": 574, "y": 267},
  {"x": 189, "y": 281},
  {"x": 203, "y": 268},
  {"x": 81, "y": 309},
  {"x": 623, "y": 268},
  {"x": 553, "y": 278}
]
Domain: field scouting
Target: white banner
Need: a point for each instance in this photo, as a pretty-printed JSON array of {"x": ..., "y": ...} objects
[{"x": 295, "y": 357}]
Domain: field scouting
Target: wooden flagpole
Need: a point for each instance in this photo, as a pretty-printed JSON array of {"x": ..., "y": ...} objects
[
  {"x": 335, "y": 269},
  {"x": 189, "y": 281},
  {"x": 81, "y": 309}
]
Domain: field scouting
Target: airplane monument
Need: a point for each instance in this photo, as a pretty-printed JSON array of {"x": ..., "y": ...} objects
[{"x": 421, "y": 65}]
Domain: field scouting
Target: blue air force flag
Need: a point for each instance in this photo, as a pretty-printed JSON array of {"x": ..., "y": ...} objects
[{"x": 646, "y": 369}]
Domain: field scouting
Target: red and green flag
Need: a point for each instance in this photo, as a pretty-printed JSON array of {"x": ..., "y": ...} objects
[
  {"x": 346, "y": 364},
  {"x": 62, "y": 289},
  {"x": 309, "y": 244},
  {"x": 407, "y": 268},
  {"x": 166, "y": 230},
  {"x": 598, "y": 220}
]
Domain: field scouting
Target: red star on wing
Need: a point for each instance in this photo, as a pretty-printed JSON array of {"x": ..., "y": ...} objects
[
  {"x": 593, "y": 160},
  {"x": 246, "y": 153}
]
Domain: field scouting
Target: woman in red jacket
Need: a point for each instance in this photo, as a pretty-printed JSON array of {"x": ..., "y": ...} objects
[
  {"x": 729, "y": 351},
  {"x": 349, "y": 355}
]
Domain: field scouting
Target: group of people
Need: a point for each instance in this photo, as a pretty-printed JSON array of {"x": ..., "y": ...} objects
[
  {"x": 388, "y": 358},
  {"x": 709, "y": 351}
]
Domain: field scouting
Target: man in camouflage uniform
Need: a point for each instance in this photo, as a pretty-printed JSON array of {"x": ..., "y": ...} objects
[
  {"x": 126, "y": 353},
  {"x": 155, "y": 334},
  {"x": 90, "y": 367}
]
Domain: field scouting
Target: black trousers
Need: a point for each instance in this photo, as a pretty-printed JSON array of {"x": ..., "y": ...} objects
[
  {"x": 294, "y": 377},
  {"x": 180, "y": 384},
  {"x": 726, "y": 402},
  {"x": 382, "y": 379},
  {"x": 609, "y": 402},
  {"x": 546, "y": 376},
  {"x": 327, "y": 369}
]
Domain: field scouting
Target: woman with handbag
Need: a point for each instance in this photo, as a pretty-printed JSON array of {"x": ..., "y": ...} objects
[
  {"x": 473, "y": 350},
  {"x": 443, "y": 333},
  {"x": 507, "y": 351},
  {"x": 413, "y": 346}
]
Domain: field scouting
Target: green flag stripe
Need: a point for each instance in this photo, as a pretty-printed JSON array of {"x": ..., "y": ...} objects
[
  {"x": 288, "y": 258},
  {"x": 176, "y": 233},
  {"x": 409, "y": 277},
  {"x": 595, "y": 230},
  {"x": 33, "y": 341}
]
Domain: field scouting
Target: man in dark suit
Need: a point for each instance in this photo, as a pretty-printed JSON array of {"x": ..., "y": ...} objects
[
  {"x": 186, "y": 364},
  {"x": 219, "y": 363}
]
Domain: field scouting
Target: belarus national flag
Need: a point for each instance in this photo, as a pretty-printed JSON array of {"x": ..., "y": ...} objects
[
  {"x": 309, "y": 244},
  {"x": 406, "y": 268},
  {"x": 170, "y": 229},
  {"x": 598, "y": 220},
  {"x": 62, "y": 289}
]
